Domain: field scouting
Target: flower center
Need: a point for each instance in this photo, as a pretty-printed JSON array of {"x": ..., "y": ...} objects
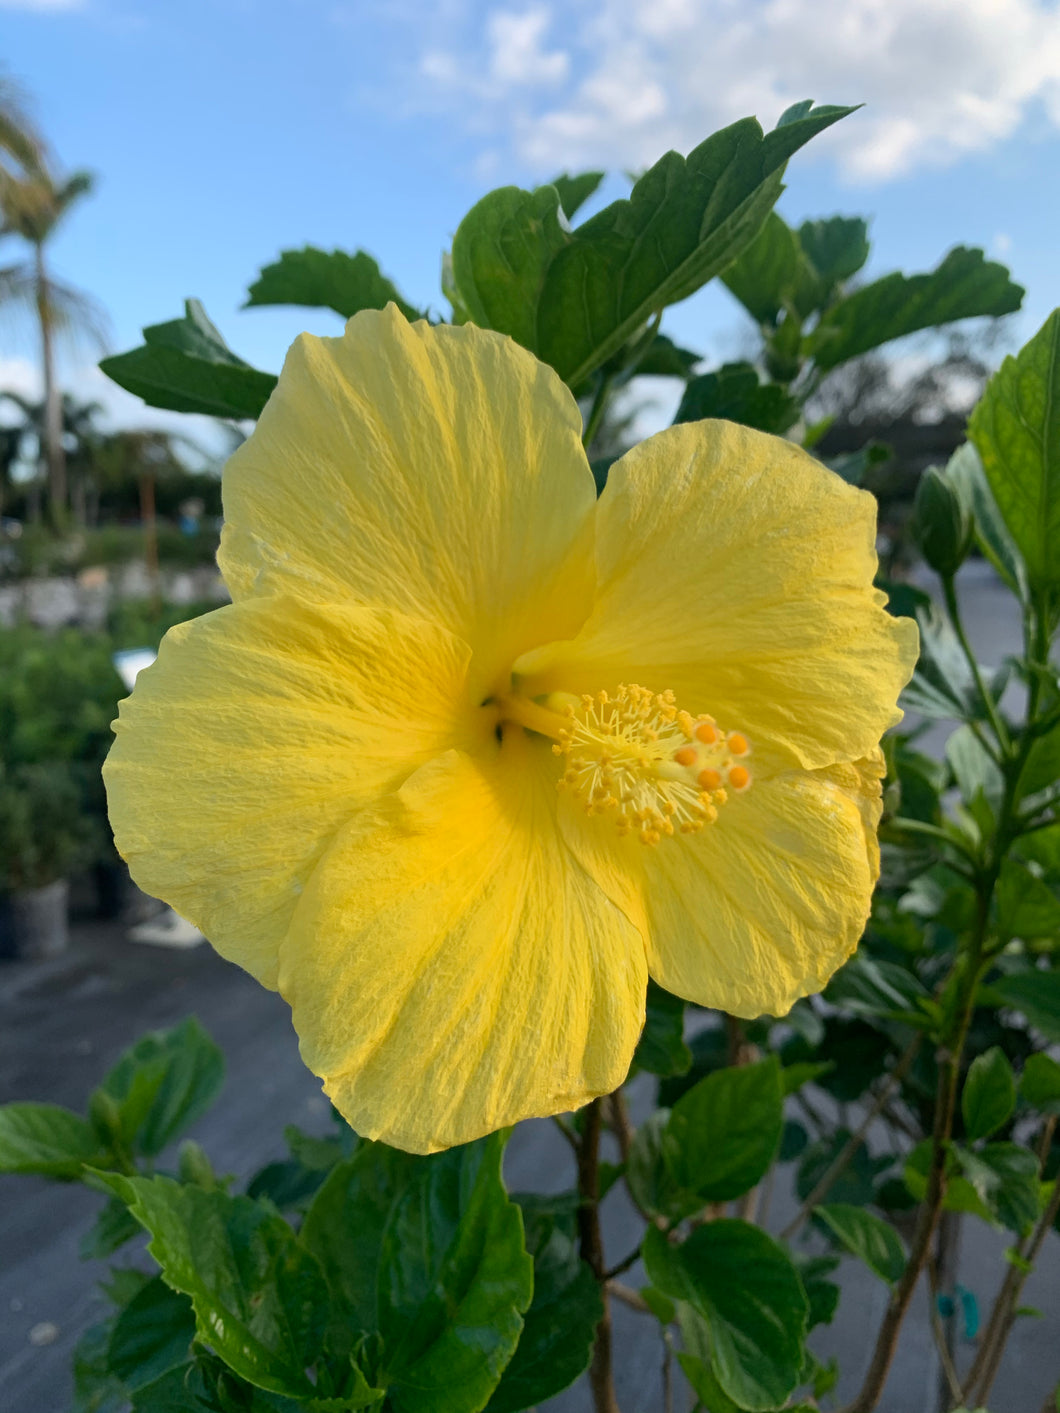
[{"x": 634, "y": 755}]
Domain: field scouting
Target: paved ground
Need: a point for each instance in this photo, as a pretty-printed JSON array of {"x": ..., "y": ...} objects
[{"x": 63, "y": 1022}]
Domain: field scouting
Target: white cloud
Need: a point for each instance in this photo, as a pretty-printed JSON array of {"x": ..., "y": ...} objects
[{"x": 616, "y": 82}]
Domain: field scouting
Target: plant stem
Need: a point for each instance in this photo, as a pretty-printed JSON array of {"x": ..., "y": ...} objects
[
  {"x": 599, "y": 407},
  {"x": 949, "y": 1370},
  {"x": 995, "y": 1336},
  {"x": 949, "y": 1061},
  {"x": 846, "y": 1154},
  {"x": 952, "y": 608},
  {"x": 629, "y": 1297},
  {"x": 601, "y": 1378}
]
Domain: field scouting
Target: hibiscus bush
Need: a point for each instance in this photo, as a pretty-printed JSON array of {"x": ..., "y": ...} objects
[{"x": 526, "y": 779}]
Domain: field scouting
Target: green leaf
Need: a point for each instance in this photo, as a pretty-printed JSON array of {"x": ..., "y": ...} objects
[
  {"x": 974, "y": 770},
  {"x": 879, "y": 991},
  {"x": 735, "y": 393},
  {"x": 724, "y": 1133},
  {"x": 648, "y": 1174},
  {"x": 745, "y": 1287},
  {"x": 1005, "y": 1177},
  {"x": 851, "y": 466},
  {"x": 964, "y": 286},
  {"x": 186, "y": 366},
  {"x": 705, "y": 1386},
  {"x": 767, "y": 274},
  {"x": 942, "y": 687},
  {"x": 259, "y": 1297},
  {"x": 322, "y": 279},
  {"x": 163, "y": 1083},
  {"x": 575, "y": 191},
  {"x": 867, "y": 1237},
  {"x": 575, "y": 297},
  {"x": 989, "y": 1095},
  {"x": 822, "y": 1294},
  {"x": 836, "y": 246},
  {"x": 560, "y": 1326},
  {"x": 114, "y": 1226},
  {"x": 661, "y": 1048},
  {"x": 941, "y": 523},
  {"x": 1037, "y": 995},
  {"x": 1040, "y": 1083},
  {"x": 48, "y": 1140},
  {"x": 1026, "y": 906},
  {"x": 428, "y": 1253},
  {"x": 1016, "y": 430},
  {"x": 152, "y": 1335},
  {"x": 666, "y": 359},
  {"x": 965, "y": 470}
]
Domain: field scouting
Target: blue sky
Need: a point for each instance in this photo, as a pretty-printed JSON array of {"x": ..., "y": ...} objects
[{"x": 225, "y": 130}]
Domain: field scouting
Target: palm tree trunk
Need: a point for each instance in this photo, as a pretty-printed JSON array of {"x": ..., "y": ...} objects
[{"x": 54, "y": 452}]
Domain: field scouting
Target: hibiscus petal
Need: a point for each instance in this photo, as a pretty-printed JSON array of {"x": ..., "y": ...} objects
[
  {"x": 436, "y": 470},
  {"x": 736, "y": 570},
  {"x": 451, "y": 969},
  {"x": 765, "y": 904},
  {"x": 258, "y": 733}
]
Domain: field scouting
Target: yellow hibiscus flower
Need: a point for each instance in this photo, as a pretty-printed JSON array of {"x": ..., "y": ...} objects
[{"x": 348, "y": 778}]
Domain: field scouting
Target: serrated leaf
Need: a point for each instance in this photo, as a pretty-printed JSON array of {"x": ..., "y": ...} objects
[
  {"x": 867, "y": 1237},
  {"x": 745, "y": 1287},
  {"x": 963, "y": 286},
  {"x": 114, "y": 1226},
  {"x": 661, "y": 1048},
  {"x": 186, "y": 366},
  {"x": 648, "y": 1174},
  {"x": 879, "y": 991},
  {"x": 724, "y": 1133},
  {"x": 735, "y": 393},
  {"x": 163, "y": 1083},
  {"x": 767, "y": 274},
  {"x": 574, "y": 191},
  {"x": 989, "y": 1095},
  {"x": 1005, "y": 1177},
  {"x": 574, "y": 298},
  {"x": 1016, "y": 430},
  {"x": 152, "y": 1335},
  {"x": 327, "y": 279},
  {"x": 429, "y": 1254},
  {"x": 559, "y": 1328},
  {"x": 259, "y": 1297},
  {"x": 48, "y": 1140},
  {"x": 1026, "y": 906},
  {"x": 836, "y": 246},
  {"x": 942, "y": 687}
]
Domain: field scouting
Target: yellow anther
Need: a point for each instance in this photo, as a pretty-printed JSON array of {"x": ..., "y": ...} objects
[
  {"x": 708, "y": 779},
  {"x": 686, "y": 755},
  {"x": 739, "y": 777},
  {"x": 738, "y": 744},
  {"x": 706, "y": 732}
]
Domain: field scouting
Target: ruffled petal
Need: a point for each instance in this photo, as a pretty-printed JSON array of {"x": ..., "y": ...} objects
[
  {"x": 766, "y": 903},
  {"x": 258, "y": 733},
  {"x": 438, "y": 470},
  {"x": 451, "y": 969},
  {"x": 736, "y": 570}
]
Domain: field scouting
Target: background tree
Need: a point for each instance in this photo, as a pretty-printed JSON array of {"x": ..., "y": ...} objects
[{"x": 34, "y": 200}]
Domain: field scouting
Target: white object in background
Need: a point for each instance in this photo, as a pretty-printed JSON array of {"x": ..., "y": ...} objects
[
  {"x": 168, "y": 929},
  {"x": 131, "y": 662}
]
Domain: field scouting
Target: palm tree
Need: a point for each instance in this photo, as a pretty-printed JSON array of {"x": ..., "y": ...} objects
[{"x": 33, "y": 202}]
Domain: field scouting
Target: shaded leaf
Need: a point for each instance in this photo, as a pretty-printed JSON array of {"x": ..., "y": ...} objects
[
  {"x": 989, "y": 1095},
  {"x": 735, "y": 393},
  {"x": 963, "y": 286},
  {"x": 323, "y": 279},
  {"x": 1034, "y": 993},
  {"x": 152, "y": 1335},
  {"x": 867, "y": 1237},
  {"x": 47, "y": 1139},
  {"x": 163, "y": 1083},
  {"x": 767, "y": 274},
  {"x": 965, "y": 470},
  {"x": 837, "y": 246},
  {"x": 1040, "y": 1083},
  {"x": 114, "y": 1226},
  {"x": 575, "y": 191},
  {"x": 661, "y": 1048}
]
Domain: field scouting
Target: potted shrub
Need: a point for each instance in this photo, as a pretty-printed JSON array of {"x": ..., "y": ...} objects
[{"x": 44, "y": 837}]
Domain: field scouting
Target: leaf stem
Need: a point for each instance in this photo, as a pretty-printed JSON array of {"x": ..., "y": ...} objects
[
  {"x": 598, "y": 408},
  {"x": 601, "y": 1377},
  {"x": 953, "y": 609}
]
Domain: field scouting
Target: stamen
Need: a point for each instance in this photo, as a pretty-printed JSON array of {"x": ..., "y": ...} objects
[{"x": 656, "y": 770}]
